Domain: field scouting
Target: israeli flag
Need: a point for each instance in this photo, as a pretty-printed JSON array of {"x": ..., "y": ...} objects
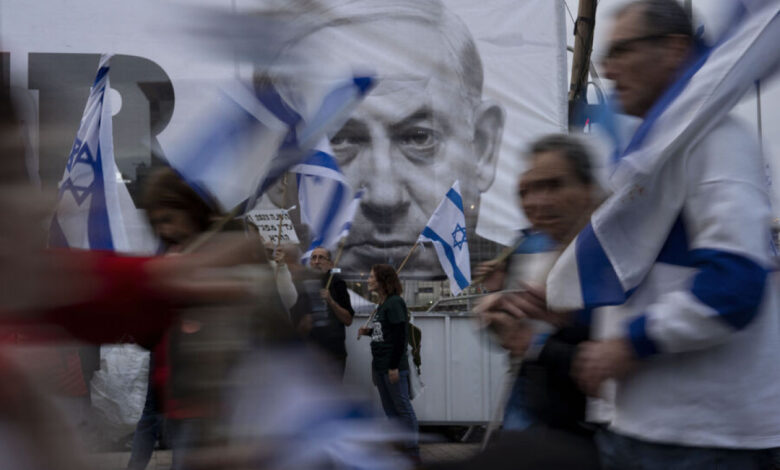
[
  {"x": 612, "y": 255},
  {"x": 94, "y": 209},
  {"x": 246, "y": 139},
  {"x": 223, "y": 155},
  {"x": 335, "y": 107},
  {"x": 447, "y": 230},
  {"x": 328, "y": 204}
]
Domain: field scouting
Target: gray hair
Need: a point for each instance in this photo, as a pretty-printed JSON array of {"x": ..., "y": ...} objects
[
  {"x": 662, "y": 17},
  {"x": 572, "y": 149},
  {"x": 321, "y": 14},
  {"x": 330, "y": 256}
]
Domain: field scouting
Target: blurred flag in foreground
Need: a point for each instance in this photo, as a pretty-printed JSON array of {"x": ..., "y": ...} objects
[
  {"x": 94, "y": 209},
  {"x": 447, "y": 230},
  {"x": 327, "y": 202},
  {"x": 612, "y": 255},
  {"x": 247, "y": 139}
]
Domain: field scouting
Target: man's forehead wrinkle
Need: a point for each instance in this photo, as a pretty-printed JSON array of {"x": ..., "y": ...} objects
[{"x": 419, "y": 114}]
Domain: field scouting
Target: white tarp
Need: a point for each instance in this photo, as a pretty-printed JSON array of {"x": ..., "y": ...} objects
[
  {"x": 157, "y": 72},
  {"x": 118, "y": 389}
]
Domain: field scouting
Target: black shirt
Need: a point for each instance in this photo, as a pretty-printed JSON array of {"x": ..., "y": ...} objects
[
  {"x": 327, "y": 330},
  {"x": 388, "y": 335}
]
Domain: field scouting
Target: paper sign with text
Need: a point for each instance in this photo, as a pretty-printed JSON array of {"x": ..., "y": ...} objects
[{"x": 268, "y": 222}]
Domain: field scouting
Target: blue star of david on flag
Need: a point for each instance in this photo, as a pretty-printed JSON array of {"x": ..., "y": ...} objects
[
  {"x": 94, "y": 210},
  {"x": 79, "y": 189},
  {"x": 459, "y": 237},
  {"x": 453, "y": 250}
]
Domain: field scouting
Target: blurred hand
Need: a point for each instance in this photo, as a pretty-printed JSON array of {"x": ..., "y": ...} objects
[
  {"x": 498, "y": 302},
  {"x": 325, "y": 295},
  {"x": 365, "y": 331},
  {"x": 492, "y": 274},
  {"x": 393, "y": 376},
  {"x": 513, "y": 334},
  {"x": 304, "y": 326},
  {"x": 279, "y": 256},
  {"x": 597, "y": 361}
]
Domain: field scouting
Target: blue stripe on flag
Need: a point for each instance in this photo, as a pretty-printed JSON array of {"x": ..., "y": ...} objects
[
  {"x": 274, "y": 102},
  {"x": 600, "y": 284},
  {"x": 98, "y": 226},
  {"x": 101, "y": 74},
  {"x": 333, "y": 210},
  {"x": 459, "y": 277},
  {"x": 644, "y": 346},
  {"x": 453, "y": 196},
  {"x": 675, "y": 249},
  {"x": 363, "y": 84},
  {"x": 322, "y": 159}
]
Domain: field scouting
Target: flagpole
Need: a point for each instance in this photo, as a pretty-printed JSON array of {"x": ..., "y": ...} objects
[
  {"x": 506, "y": 253},
  {"x": 281, "y": 216},
  {"x": 336, "y": 260},
  {"x": 403, "y": 263},
  {"x": 215, "y": 228}
]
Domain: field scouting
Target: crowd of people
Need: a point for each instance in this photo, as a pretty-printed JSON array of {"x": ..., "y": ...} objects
[{"x": 248, "y": 346}]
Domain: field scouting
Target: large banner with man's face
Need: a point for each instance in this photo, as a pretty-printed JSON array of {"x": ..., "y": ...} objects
[{"x": 462, "y": 88}]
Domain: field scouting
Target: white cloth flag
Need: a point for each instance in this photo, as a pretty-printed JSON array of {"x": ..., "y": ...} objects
[
  {"x": 327, "y": 202},
  {"x": 612, "y": 255},
  {"x": 447, "y": 230},
  {"x": 94, "y": 209}
]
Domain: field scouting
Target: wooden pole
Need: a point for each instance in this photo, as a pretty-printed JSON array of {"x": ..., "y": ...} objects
[
  {"x": 506, "y": 253},
  {"x": 215, "y": 228},
  {"x": 403, "y": 263},
  {"x": 281, "y": 216},
  {"x": 336, "y": 261},
  {"x": 584, "y": 25}
]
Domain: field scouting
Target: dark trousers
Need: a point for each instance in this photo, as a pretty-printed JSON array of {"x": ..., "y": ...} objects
[
  {"x": 147, "y": 431},
  {"x": 535, "y": 448},
  {"x": 398, "y": 405},
  {"x": 620, "y": 452}
]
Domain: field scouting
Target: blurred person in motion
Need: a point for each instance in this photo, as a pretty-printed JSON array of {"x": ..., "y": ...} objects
[
  {"x": 544, "y": 423},
  {"x": 705, "y": 306},
  {"x": 177, "y": 215},
  {"x": 326, "y": 321},
  {"x": 707, "y": 309},
  {"x": 388, "y": 328},
  {"x": 97, "y": 297}
]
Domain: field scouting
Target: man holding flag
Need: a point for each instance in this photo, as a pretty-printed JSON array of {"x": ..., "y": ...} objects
[
  {"x": 682, "y": 251},
  {"x": 328, "y": 206}
]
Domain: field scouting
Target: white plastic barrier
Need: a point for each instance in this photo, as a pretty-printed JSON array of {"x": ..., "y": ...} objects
[{"x": 463, "y": 371}]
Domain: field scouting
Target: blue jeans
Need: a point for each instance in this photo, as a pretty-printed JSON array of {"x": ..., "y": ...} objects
[
  {"x": 397, "y": 405},
  {"x": 516, "y": 415},
  {"x": 620, "y": 452}
]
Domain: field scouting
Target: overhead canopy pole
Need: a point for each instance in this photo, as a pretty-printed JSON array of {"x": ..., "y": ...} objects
[{"x": 583, "y": 46}]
